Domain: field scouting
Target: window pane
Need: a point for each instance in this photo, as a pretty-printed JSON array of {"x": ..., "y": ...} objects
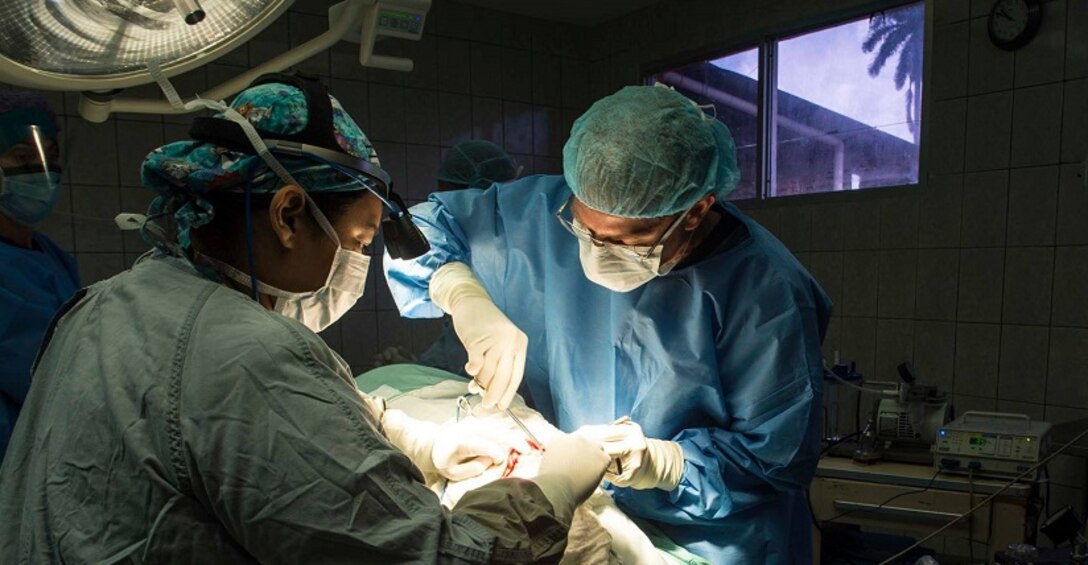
[
  {"x": 731, "y": 85},
  {"x": 849, "y": 103}
]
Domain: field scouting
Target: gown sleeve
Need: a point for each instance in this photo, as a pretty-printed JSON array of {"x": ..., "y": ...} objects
[
  {"x": 278, "y": 443},
  {"x": 454, "y": 223},
  {"x": 771, "y": 371}
]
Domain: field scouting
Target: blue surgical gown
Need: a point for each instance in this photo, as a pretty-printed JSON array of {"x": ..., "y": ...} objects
[
  {"x": 34, "y": 284},
  {"x": 722, "y": 356}
]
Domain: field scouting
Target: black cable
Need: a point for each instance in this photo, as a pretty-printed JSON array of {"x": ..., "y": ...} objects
[
  {"x": 832, "y": 444},
  {"x": 928, "y": 486}
]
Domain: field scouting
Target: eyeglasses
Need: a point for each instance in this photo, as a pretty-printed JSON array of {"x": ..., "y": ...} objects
[{"x": 639, "y": 253}]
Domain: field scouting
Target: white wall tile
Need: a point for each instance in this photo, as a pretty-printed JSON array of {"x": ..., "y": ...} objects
[
  {"x": 1070, "y": 290},
  {"x": 92, "y": 152},
  {"x": 344, "y": 62},
  {"x": 894, "y": 345},
  {"x": 548, "y": 133},
  {"x": 517, "y": 76},
  {"x": 859, "y": 284},
  {"x": 937, "y": 284},
  {"x": 985, "y": 201},
  {"x": 547, "y": 80},
  {"x": 1037, "y": 119},
  {"x": 424, "y": 56},
  {"x": 304, "y": 27},
  {"x": 1033, "y": 201},
  {"x": 1075, "y": 122},
  {"x": 359, "y": 335},
  {"x": 796, "y": 228},
  {"x": 861, "y": 225},
  {"x": 827, "y": 227},
  {"x": 950, "y": 48},
  {"x": 93, "y": 210},
  {"x": 1028, "y": 276},
  {"x": 391, "y": 156},
  {"x": 977, "y": 348},
  {"x": 421, "y": 167},
  {"x": 517, "y": 121},
  {"x": 980, "y": 283},
  {"x": 934, "y": 353},
  {"x": 898, "y": 268},
  {"x": 576, "y": 84},
  {"x": 859, "y": 343},
  {"x": 454, "y": 65},
  {"x": 947, "y": 140},
  {"x": 990, "y": 69},
  {"x": 827, "y": 268},
  {"x": 487, "y": 70},
  {"x": 393, "y": 330},
  {"x": 1076, "y": 39},
  {"x": 487, "y": 119},
  {"x": 421, "y": 123},
  {"x": 455, "y": 118},
  {"x": 1043, "y": 59},
  {"x": 1072, "y": 207},
  {"x": 951, "y": 10},
  {"x": 1023, "y": 373},
  {"x": 354, "y": 97},
  {"x": 1066, "y": 385},
  {"x": 940, "y": 206},
  {"x": 989, "y": 126},
  {"x": 134, "y": 141},
  {"x": 387, "y": 113}
]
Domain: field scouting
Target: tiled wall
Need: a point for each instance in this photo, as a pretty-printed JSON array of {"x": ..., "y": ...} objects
[
  {"x": 979, "y": 275},
  {"x": 478, "y": 74}
]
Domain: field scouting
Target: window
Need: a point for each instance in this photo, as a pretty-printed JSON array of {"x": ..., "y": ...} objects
[{"x": 829, "y": 110}]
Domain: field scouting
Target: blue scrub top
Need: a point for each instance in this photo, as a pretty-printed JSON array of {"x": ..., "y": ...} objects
[
  {"x": 34, "y": 284},
  {"x": 722, "y": 356}
]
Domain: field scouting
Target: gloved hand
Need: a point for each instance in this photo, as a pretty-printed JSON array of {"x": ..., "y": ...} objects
[
  {"x": 456, "y": 450},
  {"x": 393, "y": 355},
  {"x": 496, "y": 347},
  {"x": 638, "y": 462},
  {"x": 570, "y": 471}
]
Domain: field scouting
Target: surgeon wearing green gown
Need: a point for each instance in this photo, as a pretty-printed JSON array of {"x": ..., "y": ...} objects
[{"x": 186, "y": 410}]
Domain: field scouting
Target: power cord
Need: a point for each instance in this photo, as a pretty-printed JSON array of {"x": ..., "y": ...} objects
[{"x": 928, "y": 486}]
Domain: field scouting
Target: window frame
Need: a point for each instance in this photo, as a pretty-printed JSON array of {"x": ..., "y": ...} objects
[{"x": 766, "y": 44}]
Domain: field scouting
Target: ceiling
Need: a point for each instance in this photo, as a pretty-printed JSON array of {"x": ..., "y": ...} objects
[{"x": 577, "y": 12}]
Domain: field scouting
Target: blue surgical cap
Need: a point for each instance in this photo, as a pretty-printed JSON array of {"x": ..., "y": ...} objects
[
  {"x": 476, "y": 164},
  {"x": 647, "y": 152}
]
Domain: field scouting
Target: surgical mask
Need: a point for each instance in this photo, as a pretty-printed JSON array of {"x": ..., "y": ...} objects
[
  {"x": 28, "y": 198},
  {"x": 622, "y": 269},
  {"x": 317, "y": 309}
]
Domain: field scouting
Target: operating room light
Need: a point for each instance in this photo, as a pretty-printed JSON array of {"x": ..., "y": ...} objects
[{"x": 103, "y": 39}]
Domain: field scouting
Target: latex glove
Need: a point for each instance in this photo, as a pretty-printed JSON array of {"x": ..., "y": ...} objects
[
  {"x": 496, "y": 347},
  {"x": 639, "y": 462},
  {"x": 455, "y": 450},
  {"x": 570, "y": 471},
  {"x": 393, "y": 355}
]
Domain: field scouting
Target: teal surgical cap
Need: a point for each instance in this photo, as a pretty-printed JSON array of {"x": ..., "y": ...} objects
[
  {"x": 647, "y": 152},
  {"x": 476, "y": 164}
]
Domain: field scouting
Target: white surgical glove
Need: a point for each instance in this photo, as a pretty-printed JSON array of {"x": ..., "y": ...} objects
[
  {"x": 639, "y": 462},
  {"x": 455, "y": 450},
  {"x": 496, "y": 347},
  {"x": 570, "y": 471}
]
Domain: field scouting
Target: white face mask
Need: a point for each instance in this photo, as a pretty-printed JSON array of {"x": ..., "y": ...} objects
[
  {"x": 619, "y": 269},
  {"x": 318, "y": 309}
]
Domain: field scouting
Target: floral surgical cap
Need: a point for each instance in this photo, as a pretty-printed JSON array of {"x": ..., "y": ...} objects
[{"x": 182, "y": 172}]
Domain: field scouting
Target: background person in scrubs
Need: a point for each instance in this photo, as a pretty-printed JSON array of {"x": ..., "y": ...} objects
[
  {"x": 36, "y": 276},
  {"x": 649, "y": 314}
]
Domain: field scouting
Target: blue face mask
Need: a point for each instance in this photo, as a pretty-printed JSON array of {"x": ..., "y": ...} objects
[{"x": 28, "y": 198}]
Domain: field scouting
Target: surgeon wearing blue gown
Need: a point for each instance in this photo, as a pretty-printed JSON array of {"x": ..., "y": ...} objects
[
  {"x": 36, "y": 275},
  {"x": 644, "y": 311}
]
